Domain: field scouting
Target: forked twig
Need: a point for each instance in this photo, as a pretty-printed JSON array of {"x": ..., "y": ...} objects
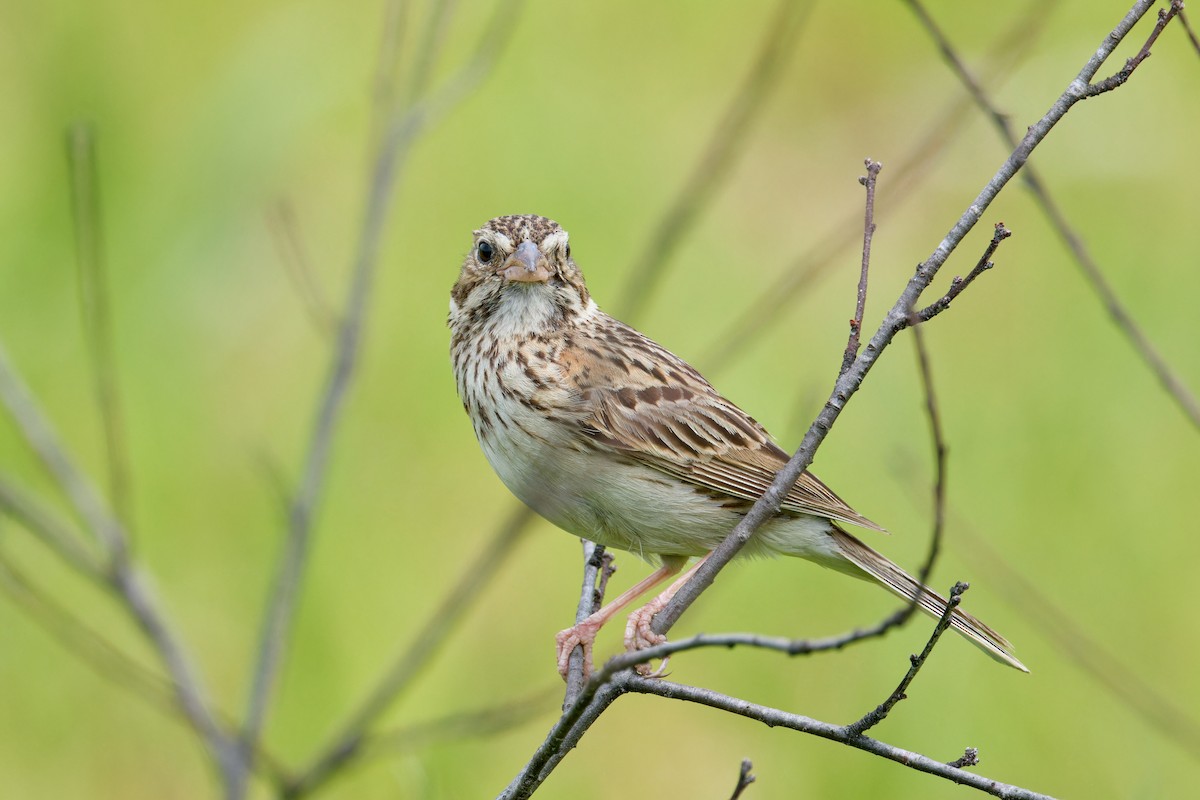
[
  {"x": 745, "y": 778},
  {"x": 880, "y": 712},
  {"x": 860, "y": 306},
  {"x": 895, "y": 320},
  {"x": 776, "y": 718},
  {"x": 389, "y": 160},
  {"x": 1120, "y": 316}
]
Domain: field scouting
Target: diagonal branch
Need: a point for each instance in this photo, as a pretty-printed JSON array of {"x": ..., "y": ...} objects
[
  {"x": 804, "y": 270},
  {"x": 96, "y": 308},
  {"x": 121, "y": 576},
  {"x": 895, "y": 320},
  {"x": 1121, "y": 317},
  {"x": 776, "y": 718},
  {"x": 389, "y": 161},
  {"x": 49, "y": 529},
  {"x": 880, "y": 712},
  {"x": 43, "y": 440}
]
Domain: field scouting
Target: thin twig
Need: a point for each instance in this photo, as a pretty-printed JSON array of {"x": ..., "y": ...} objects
[
  {"x": 593, "y": 555},
  {"x": 99, "y": 653},
  {"x": 608, "y": 567},
  {"x": 1187, "y": 29},
  {"x": 390, "y": 159},
  {"x": 43, "y": 440},
  {"x": 96, "y": 307},
  {"x": 281, "y": 219},
  {"x": 849, "y": 382},
  {"x": 776, "y": 718},
  {"x": 1122, "y": 75},
  {"x": 959, "y": 284},
  {"x": 470, "y": 724},
  {"x": 388, "y": 63},
  {"x": 725, "y": 145},
  {"x": 92, "y": 649},
  {"x": 597, "y": 695},
  {"x": 49, "y": 529},
  {"x": 1048, "y": 617},
  {"x": 1121, "y": 317},
  {"x": 122, "y": 577},
  {"x": 432, "y": 41},
  {"x": 1132, "y": 688},
  {"x": 860, "y": 305},
  {"x": 617, "y": 677},
  {"x": 805, "y": 269},
  {"x": 745, "y": 778},
  {"x": 880, "y": 712}
]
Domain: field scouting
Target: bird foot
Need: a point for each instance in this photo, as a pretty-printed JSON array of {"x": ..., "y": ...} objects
[
  {"x": 639, "y": 636},
  {"x": 583, "y": 634}
]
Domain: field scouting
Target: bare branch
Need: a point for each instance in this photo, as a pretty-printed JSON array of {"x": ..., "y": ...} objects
[
  {"x": 43, "y": 440},
  {"x": 868, "y": 180},
  {"x": 94, "y": 650},
  {"x": 958, "y": 285},
  {"x": 1132, "y": 688},
  {"x": 51, "y": 531},
  {"x": 596, "y": 696},
  {"x": 744, "y": 779},
  {"x": 1047, "y": 616},
  {"x": 880, "y": 712},
  {"x": 1187, "y": 29},
  {"x": 387, "y": 63},
  {"x": 776, "y": 718},
  {"x": 99, "y": 653},
  {"x": 281, "y": 219},
  {"x": 1122, "y": 75},
  {"x": 389, "y": 161},
  {"x": 469, "y": 724},
  {"x": 96, "y": 308},
  {"x": 849, "y": 382},
  {"x": 726, "y": 143},
  {"x": 590, "y": 593},
  {"x": 122, "y": 576},
  {"x": 1124, "y": 321},
  {"x": 1010, "y": 49}
]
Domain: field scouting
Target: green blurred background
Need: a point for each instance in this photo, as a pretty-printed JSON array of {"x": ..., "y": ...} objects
[{"x": 1066, "y": 456}]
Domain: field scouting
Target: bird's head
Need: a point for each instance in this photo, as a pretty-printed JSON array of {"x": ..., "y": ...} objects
[{"x": 520, "y": 265}]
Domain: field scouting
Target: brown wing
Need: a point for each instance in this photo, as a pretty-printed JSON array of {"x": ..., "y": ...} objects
[{"x": 658, "y": 410}]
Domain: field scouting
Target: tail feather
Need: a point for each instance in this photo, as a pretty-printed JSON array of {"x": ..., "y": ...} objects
[{"x": 901, "y": 583}]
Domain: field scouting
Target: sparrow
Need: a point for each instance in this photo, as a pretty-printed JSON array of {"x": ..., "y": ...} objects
[{"x": 613, "y": 438}]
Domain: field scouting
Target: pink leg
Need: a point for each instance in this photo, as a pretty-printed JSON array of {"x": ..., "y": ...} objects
[
  {"x": 583, "y": 634},
  {"x": 638, "y": 635}
]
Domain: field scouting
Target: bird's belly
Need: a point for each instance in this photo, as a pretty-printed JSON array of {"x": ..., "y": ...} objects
[{"x": 636, "y": 508}]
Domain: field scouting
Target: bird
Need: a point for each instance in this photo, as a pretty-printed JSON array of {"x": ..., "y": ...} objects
[{"x": 613, "y": 438}]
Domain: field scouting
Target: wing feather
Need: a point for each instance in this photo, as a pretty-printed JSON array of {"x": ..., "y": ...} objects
[{"x": 683, "y": 427}]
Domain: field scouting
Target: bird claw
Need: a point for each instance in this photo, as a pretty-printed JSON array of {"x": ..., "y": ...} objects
[
  {"x": 639, "y": 636},
  {"x": 581, "y": 635}
]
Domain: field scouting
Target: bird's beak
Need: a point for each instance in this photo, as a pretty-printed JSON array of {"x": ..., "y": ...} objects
[{"x": 527, "y": 265}]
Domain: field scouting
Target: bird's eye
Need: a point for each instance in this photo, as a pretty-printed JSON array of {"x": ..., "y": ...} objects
[
  {"x": 485, "y": 251},
  {"x": 568, "y": 249}
]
